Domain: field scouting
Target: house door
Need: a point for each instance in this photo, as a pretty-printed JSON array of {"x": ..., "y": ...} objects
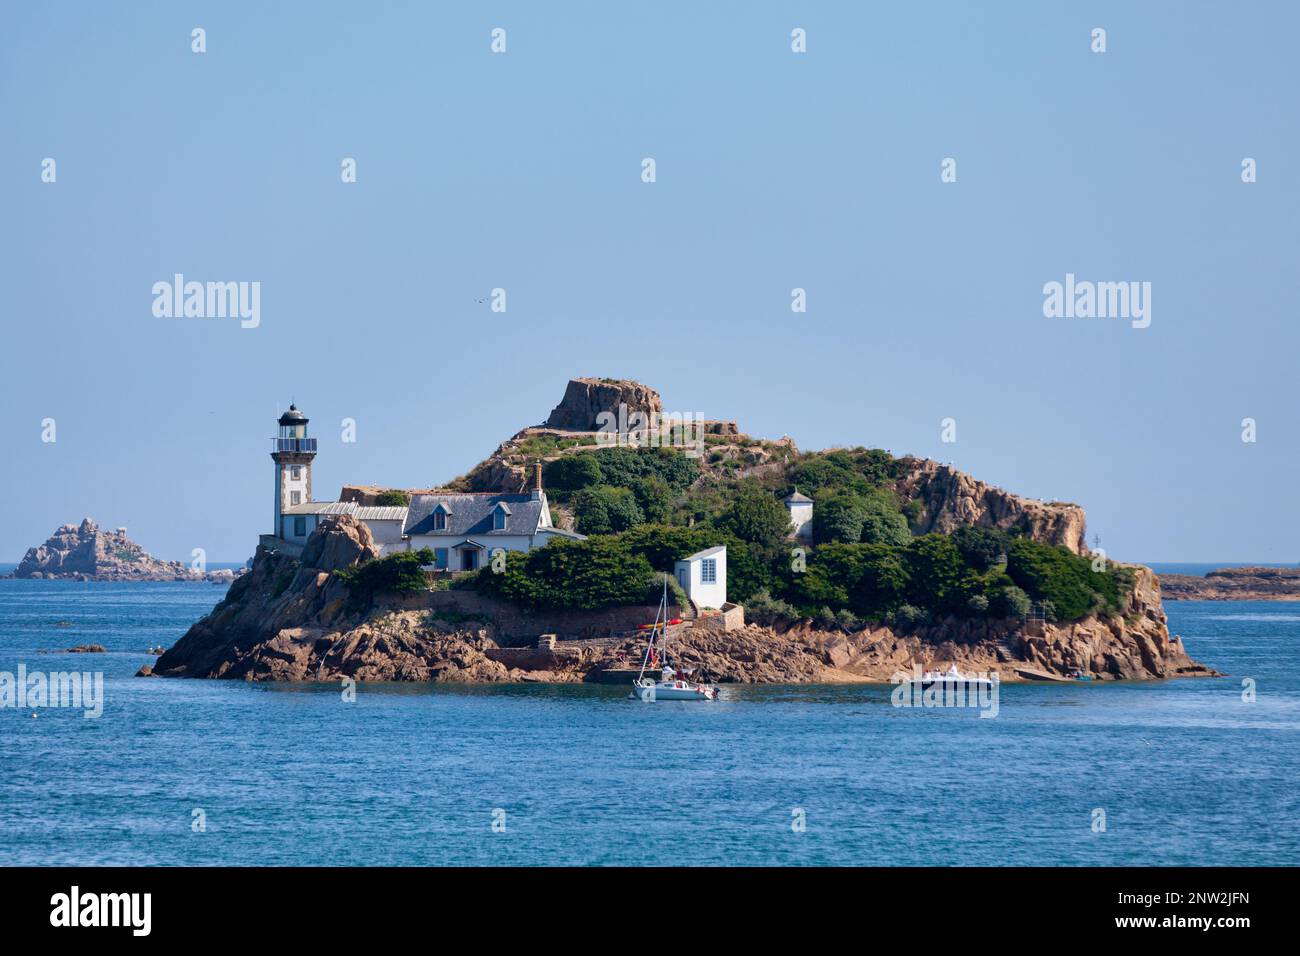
[{"x": 468, "y": 559}]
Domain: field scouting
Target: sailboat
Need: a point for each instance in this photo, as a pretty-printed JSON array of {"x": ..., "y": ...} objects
[{"x": 670, "y": 686}]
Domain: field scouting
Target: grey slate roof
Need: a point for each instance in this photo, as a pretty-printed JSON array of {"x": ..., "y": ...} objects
[
  {"x": 798, "y": 499},
  {"x": 472, "y": 514}
]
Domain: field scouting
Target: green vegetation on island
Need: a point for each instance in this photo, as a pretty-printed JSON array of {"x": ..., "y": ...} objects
[{"x": 645, "y": 508}]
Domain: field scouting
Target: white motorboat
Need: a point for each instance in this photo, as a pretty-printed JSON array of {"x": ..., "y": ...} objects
[
  {"x": 953, "y": 678},
  {"x": 670, "y": 685}
]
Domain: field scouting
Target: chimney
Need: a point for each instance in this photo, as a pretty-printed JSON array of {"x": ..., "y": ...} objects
[{"x": 537, "y": 481}]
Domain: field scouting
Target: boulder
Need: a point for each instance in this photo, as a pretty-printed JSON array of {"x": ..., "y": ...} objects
[{"x": 585, "y": 398}]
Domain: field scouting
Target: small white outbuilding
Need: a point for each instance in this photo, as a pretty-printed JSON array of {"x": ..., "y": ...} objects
[
  {"x": 801, "y": 517},
  {"x": 703, "y": 576}
]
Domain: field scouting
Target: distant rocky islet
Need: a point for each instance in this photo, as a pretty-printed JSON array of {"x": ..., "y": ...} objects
[{"x": 85, "y": 552}]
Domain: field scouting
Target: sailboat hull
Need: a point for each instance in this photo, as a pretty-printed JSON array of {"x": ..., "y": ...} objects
[{"x": 651, "y": 691}]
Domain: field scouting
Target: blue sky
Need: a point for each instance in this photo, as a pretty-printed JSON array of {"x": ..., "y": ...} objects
[{"x": 775, "y": 170}]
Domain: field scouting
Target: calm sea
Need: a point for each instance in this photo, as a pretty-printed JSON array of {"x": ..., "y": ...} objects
[{"x": 1185, "y": 772}]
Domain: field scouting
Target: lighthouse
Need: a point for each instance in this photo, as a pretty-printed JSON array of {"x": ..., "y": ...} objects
[{"x": 293, "y": 454}]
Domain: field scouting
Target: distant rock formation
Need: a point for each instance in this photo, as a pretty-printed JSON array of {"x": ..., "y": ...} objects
[
  {"x": 585, "y": 398},
  {"x": 85, "y": 553},
  {"x": 951, "y": 499},
  {"x": 1234, "y": 584}
]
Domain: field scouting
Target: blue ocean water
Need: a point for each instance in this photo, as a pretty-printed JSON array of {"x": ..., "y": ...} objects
[{"x": 1186, "y": 772}]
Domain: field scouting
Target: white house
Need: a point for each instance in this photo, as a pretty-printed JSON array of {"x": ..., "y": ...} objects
[
  {"x": 465, "y": 529},
  {"x": 703, "y": 576},
  {"x": 801, "y": 516}
]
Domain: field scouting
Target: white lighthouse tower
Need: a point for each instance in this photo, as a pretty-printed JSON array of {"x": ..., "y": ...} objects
[{"x": 293, "y": 454}]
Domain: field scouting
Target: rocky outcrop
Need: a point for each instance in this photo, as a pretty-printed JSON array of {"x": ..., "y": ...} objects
[
  {"x": 280, "y": 593},
  {"x": 85, "y": 553},
  {"x": 950, "y": 499},
  {"x": 585, "y": 398},
  {"x": 1234, "y": 584},
  {"x": 290, "y": 620}
]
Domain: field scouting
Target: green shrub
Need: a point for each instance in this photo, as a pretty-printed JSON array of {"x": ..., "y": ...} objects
[
  {"x": 938, "y": 579},
  {"x": 393, "y": 498},
  {"x": 755, "y": 514},
  {"x": 619, "y": 466},
  {"x": 1010, "y": 602},
  {"x": 767, "y": 611},
  {"x": 909, "y": 616},
  {"x": 595, "y": 573},
  {"x": 983, "y": 548},
  {"x": 1049, "y": 573},
  {"x": 572, "y": 473},
  {"x": 654, "y": 497},
  {"x": 605, "y": 509},
  {"x": 872, "y": 518},
  {"x": 398, "y": 573}
]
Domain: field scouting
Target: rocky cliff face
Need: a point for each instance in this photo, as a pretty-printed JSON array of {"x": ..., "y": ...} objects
[
  {"x": 951, "y": 499},
  {"x": 291, "y": 620},
  {"x": 585, "y": 398},
  {"x": 84, "y": 552}
]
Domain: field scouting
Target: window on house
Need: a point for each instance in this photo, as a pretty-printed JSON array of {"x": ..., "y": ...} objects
[
  {"x": 440, "y": 558},
  {"x": 295, "y": 472},
  {"x": 295, "y": 497},
  {"x": 440, "y": 521},
  {"x": 498, "y": 520},
  {"x": 709, "y": 571},
  {"x": 299, "y": 527}
]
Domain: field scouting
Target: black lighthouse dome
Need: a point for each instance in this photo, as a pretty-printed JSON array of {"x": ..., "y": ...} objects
[{"x": 293, "y": 417}]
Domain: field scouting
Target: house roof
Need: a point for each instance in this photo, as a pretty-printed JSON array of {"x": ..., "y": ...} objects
[
  {"x": 572, "y": 535},
  {"x": 380, "y": 513},
  {"x": 322, "y": 508},
  {"x": 706, "y": 553},
  {"x": 471, "y": 514},
  {"x": 798, "y": 499}
]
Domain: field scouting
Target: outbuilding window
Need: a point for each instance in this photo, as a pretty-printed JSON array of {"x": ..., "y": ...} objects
[{"x": 708, "y": 571}]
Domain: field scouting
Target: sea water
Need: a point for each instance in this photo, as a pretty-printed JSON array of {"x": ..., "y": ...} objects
[{"x": 227, "y": 772}]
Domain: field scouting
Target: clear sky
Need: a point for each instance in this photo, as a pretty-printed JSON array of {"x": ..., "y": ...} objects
[{"x": 775, "y": 170}]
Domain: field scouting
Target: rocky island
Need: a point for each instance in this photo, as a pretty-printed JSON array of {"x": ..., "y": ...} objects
[
  {"x": 86, "y": 553},
  {"x": 902, "y": 563},
  {"x": 1234, "y": 584}
]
